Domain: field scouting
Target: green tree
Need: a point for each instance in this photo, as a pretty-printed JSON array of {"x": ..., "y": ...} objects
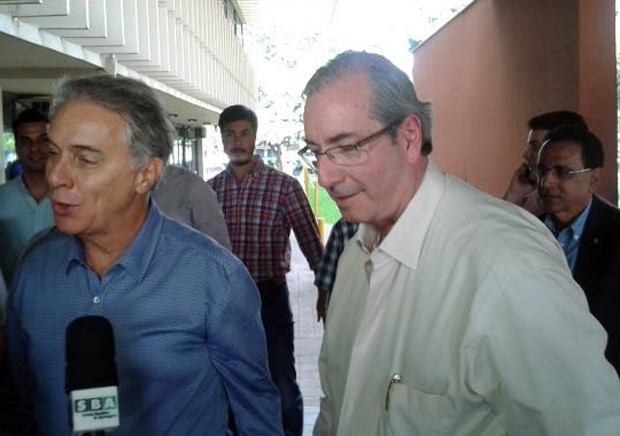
[{"x": 283, "y": 63}]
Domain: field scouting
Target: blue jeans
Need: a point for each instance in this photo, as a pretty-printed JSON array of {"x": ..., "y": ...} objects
[{"x": 278, "y": 323}]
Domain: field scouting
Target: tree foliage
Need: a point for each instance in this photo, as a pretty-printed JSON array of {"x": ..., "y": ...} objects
[
  {"x": 284, "y": 59},
  {"x": 280, "y": 57},
  {"x": 286, "y": 52}
]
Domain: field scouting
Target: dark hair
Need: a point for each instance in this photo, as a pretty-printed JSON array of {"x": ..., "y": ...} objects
[
  {"x": 238, "y": 112},
  {"x": 591, "y": 147},
  {"x": 551, "y": 120},
  {"x": 393, "y": 94},
  {"x": 150, "y": 132},
  {"x": 29, "y": 115}
]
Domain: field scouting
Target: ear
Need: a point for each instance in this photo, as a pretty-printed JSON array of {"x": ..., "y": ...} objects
[
  {"x": 148, "y": 175},
  {"x": 595, "y": 179},
  {"x": 411, "y": 135}
]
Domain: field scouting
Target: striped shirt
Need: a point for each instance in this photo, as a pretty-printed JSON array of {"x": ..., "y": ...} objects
[{"x": 260, "y": 212}]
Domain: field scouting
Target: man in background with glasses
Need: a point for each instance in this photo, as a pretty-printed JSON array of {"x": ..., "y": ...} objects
[
  {"x": 586, "y": 227},
  {"x": 453, "y": 312},
  {"x": 522, "y": 189}
]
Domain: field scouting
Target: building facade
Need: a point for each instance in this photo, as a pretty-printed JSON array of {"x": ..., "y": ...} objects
[{"x": 189, "y": 51}]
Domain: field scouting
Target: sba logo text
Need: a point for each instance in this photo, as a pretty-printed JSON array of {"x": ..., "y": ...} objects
[{"x": 94, "y": 404}]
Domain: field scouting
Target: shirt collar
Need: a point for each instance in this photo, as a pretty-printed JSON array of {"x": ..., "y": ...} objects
[
  {"x": 24, "y": 190},
  {"x": 22, "y": 187},
  {"x": 576, "y": 227},
  {"x": 137, "y": 257},
  {"x": 21, "y": 183},
  {"x": 259, "y": 167},
  {"x": 404, "y": 241}
]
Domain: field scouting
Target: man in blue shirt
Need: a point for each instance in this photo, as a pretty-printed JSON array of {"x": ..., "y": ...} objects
[
  {"x": 586, "y": 226},
  {"x": 25, "y": 209},
  {"x": 185, "y": 312}
]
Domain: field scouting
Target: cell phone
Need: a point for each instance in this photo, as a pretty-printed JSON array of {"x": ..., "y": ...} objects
[{"x": 531, "y": 174}]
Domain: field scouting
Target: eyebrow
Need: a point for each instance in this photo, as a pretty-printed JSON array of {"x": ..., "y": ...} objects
[
  {"x": 332, "y": 140},
  {"x": 86, "y": 148},
  {"x": 22, "y": 135},
  {"x": 78, "y": 147},
  {"x": 231, "y": 130}
]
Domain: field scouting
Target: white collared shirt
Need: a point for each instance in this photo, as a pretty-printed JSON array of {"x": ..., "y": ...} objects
[{"x": 463, "y": 321}]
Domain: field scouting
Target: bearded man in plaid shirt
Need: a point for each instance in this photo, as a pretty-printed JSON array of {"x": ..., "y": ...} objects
[{"x": 261, "y": 206}]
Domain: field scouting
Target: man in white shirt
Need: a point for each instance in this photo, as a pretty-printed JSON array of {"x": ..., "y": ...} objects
[{"x": 453, "y": 312}]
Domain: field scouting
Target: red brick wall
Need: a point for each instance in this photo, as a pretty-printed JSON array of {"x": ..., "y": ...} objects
[{"x": 499, "y": 63}]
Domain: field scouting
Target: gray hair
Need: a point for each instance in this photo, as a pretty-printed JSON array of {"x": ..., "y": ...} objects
[
  {"x": 150, "y": 132},
  {"x": 394, "y": 97}
]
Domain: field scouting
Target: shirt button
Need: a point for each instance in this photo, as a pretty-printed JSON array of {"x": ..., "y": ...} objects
[{"x": 97, "y": 299}]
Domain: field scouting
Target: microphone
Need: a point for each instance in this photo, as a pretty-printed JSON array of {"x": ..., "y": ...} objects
[{"x": 90, "y": 375}]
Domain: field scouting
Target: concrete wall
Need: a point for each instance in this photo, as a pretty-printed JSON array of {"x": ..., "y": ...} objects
[{"x": 499, "y": 63}]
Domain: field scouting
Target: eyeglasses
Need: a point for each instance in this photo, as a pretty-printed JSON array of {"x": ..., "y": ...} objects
[
  {"x": 345, "y": 155},
  {"x": 560, "y": 172}
]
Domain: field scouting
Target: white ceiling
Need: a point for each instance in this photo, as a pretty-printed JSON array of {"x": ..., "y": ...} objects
[{"x": 34, "y": 68}]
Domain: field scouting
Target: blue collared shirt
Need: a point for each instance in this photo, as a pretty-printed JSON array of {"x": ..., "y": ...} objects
[
  {"x": 21, "y": 217},
  {"x": 187, "y": 326},
  {"x": 569, "y": 237}
]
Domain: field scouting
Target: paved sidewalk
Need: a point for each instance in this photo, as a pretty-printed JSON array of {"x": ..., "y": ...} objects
[{"x": 308, "y": 334}]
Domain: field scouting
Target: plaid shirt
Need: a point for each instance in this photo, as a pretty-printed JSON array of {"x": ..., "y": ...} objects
[
  {"x": 340, "y": 234},
  {"x": 260, "y": 212}
]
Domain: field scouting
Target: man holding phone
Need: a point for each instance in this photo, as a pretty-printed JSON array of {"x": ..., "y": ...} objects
[{"x": 522, "y": 189}]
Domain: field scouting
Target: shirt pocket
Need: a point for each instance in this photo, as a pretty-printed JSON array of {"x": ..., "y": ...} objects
[{"x": 413, "y": 412}]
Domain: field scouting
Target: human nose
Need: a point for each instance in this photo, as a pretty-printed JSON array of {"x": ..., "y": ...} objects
[
  {"x": 57, "y": 172},
  {"x": 40, "y": 146},
  {"x": 546, "y": 178},
  {"x": 528, "y": 154},
  {"x": 328, "y": 172},
  {"x": 235, "y": 139}
]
